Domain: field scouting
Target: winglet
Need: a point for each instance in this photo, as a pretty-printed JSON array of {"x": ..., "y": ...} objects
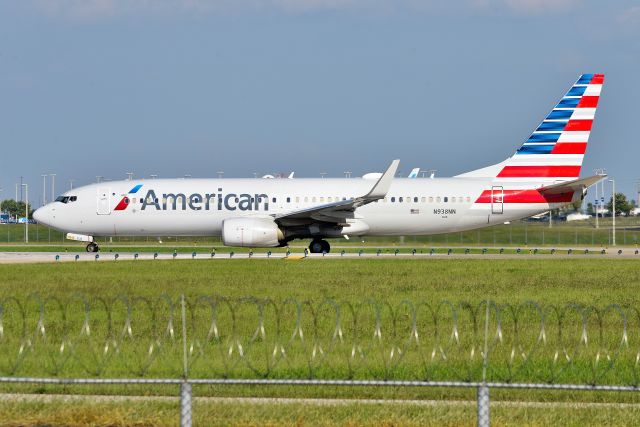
[{"x": 381, "y": 187}]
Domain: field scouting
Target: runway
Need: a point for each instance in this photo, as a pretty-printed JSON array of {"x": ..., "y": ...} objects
[{"x": 457, "y": 253}]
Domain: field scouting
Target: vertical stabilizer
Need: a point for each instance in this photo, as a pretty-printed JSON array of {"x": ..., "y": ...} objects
[{"x": 555, "y": 150}]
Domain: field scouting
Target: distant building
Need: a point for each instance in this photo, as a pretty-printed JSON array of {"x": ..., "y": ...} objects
[{"x": 576, "y": 216}]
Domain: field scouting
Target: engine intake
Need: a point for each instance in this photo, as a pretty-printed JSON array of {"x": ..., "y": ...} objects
[{"x": 251, "y": 232}]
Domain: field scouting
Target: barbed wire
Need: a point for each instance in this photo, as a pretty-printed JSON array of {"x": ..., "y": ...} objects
[{"x": 252, "y": 337}]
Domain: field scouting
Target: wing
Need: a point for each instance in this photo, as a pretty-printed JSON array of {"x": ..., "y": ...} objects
[{"x": 339, "y": 212}]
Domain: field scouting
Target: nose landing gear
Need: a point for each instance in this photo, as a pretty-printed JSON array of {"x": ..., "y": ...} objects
[
  {"x": 93, "y": 247},
  {"x": 318, "y": 246}
]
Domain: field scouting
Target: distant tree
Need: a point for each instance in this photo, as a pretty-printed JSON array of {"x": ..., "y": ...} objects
[
  {"x": 590, "y": 209},
  {"x": 14, "y": 208},
  {"x": 622, "y": 204}
]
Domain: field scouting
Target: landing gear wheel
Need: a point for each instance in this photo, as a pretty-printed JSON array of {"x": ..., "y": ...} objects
[
  {"x": 93, "y": 247},
  {"x": 319, "y": 246}
]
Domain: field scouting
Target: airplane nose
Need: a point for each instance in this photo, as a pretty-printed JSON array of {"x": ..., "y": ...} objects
[{"x": 39, "y": 215}]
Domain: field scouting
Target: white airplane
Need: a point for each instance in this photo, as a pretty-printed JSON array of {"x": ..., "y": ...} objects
[{"x": 541, "y": 175}]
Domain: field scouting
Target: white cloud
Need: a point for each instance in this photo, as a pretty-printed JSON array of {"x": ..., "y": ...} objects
[
  {"x": 541, "y": 6},
  {"x": 96, "y": 9},
  {"x": 630, "y": 16},
  {"x": 108, "y": 8}
]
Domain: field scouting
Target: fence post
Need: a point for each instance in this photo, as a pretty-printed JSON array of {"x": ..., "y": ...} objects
[
  {"x": 185, "y": 404},
  {"x": 483, "y": 405},
  {"x": 483, "y": 390},
  {"x": 185, "y": 386}
]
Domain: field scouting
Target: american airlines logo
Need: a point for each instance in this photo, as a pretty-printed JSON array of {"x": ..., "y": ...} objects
[{"x": 207, "y": 202}]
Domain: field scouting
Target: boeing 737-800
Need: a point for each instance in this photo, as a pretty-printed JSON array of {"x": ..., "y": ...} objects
[{"x": 543, "y": 174}]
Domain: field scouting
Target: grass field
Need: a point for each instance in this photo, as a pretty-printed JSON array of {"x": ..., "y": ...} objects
[{"x": 597, "y": 282}]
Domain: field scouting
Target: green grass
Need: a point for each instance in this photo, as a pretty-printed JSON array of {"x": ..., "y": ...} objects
[
  {"x": 594, "y": 281},
  {"x": 360, "y": 289},
  {"x": 83, "y": 413}
]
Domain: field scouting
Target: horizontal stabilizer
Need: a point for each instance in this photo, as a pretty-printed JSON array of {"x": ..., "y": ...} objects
[{"x": 578, "y": 184}]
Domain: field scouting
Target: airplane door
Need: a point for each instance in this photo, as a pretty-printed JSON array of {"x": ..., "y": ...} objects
[
  {"x": 104, "y": 201},
  {"x": 497, "y": 199}
]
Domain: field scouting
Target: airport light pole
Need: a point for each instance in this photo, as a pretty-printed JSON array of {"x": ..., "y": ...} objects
[
  {"x": 323, "y": 174},
  {"x": 153, "y": 176},
  {"x": 129, "y": 176},
  {"x": 613, "y": 214},
  {"x": 71, "y": 184},
  {"x": 44, "y": 189},
  {"x": 220, "y": 173},
  {"x": 26, "y": 213},
  {"x": 99, "y": 179},
  {"x": 53, "y": 186}
]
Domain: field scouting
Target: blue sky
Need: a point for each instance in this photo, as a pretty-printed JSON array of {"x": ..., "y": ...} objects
[{"x": 175, "y": 87}]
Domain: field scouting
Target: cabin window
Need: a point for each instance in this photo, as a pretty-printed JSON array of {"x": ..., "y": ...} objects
[
  {"x": 430, "y": 199},
  {"x": 415, "y": 200},
  {"x": 424, "y": 200},
  {"x": 399, "y": 199},
  {"x": 438, "y": 199},
  {"x": 306, "y": 199},
  {"x": 330, "y": 199},
  {"x": 321, "y": 199},
  {"x": 393, "y": 199},
  {"x": 446, "y": 199},
  {"x": 273, "y": 199},
  {"x": 453, "y": 200},
  {"x": 468, "y": 199},
  {"x": 313, "y": 199},
  {"x": 288, "y": 199}
]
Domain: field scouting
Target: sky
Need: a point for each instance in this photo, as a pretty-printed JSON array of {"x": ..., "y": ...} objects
[{"x": 192, "y": 87}]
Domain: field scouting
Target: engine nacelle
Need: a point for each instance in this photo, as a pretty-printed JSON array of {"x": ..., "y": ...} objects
[{"x": 251, "y": 232}]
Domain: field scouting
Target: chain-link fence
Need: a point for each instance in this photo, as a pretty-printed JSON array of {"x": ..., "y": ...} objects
[
  {"x": 525, "y": 232},
  {"x": 195, "y": 340}
]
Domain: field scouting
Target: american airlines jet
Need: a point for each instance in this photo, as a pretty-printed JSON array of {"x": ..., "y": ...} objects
[{"x": 543, "y": 174}]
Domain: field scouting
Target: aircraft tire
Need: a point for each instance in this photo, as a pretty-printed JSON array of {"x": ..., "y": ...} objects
[
  {"x": 318, "y": 246},
  {"x": 93, "y": 247}
]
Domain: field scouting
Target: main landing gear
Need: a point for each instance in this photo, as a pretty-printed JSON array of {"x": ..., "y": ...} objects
[
  {"x": 93, "y": 247},
  {"x": 318, "y": 246}
]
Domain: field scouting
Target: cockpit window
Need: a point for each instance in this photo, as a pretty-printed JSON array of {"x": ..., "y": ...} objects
[{"x": 66, "y": 199}]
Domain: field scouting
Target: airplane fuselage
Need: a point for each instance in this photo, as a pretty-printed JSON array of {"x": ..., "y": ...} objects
[{"x": 197, "y": 207}]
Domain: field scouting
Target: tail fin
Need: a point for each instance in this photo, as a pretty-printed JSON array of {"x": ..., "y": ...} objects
[{"x": 555, "y": 150}]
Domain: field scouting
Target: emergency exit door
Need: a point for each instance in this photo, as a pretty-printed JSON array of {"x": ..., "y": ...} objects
[
  {"x": 497, "y": 199},
  {"x": 104, "y": 201}
]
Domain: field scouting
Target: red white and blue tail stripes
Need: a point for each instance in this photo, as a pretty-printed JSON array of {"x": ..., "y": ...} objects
[{"x": 555, "y": 150}]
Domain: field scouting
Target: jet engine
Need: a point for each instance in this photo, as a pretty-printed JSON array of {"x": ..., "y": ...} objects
[{"x": 251, "y": 232}]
